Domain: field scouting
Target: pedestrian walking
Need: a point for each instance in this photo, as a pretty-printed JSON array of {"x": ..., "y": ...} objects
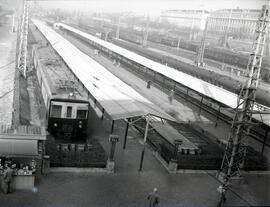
[
  {"x": 171, "y": 96},
  {"x": 153, "y": 198},
  {"x": 148, "y": 84},
  {"x": 222, "y": 200},
  {"x": 7, "y": 179}
]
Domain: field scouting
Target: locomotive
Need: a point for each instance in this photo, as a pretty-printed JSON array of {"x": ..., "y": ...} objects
[{"x": 65, "y": 99}]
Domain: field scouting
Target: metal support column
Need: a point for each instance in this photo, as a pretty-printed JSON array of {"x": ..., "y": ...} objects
[
  {"x": 235, "y": 152},
  {"x": 144, "y": 142},
  {"x": 118, "y": 29},
  {"x": 216, "y": 122},
  {"x": 178, "y": 43},
  {"x": 225, "y": 38},
  {"x": 112, "y": 126},
  {"x": 187, "y": 94},
  {"x": 102, "y": 116},
  {"x": 145, "y": 36},
  {"x": 163, "y": 83},
  {"x": 174, "y": 85},
  {"x": 264, "y": 140},
  {"x": 199, "y": 59},
  {"x": 200, "y": 105},
  {"x": 125, "y": 137}
]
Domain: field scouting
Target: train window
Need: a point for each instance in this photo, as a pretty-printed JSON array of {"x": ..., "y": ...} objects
[
  {"x": 81, "y": 114},
  {"x": 56, "y": 111},
  {"x": 69, "y": 111}
]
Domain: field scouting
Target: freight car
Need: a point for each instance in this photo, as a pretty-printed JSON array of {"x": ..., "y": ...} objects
[
  {"x": 211, "y": 52},
  {"x": 65, "y": 99},
  {"x": 220, "y": 80},
  {"x": 215, "y": 53}
]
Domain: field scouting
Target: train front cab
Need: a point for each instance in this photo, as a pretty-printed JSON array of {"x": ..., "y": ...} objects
[{"x": 68, "y": 118}]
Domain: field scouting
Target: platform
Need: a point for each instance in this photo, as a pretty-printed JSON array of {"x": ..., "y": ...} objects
[{"x": 172, "y": 135}]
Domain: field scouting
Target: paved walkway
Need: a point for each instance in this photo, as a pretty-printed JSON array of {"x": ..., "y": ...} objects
[
  {"x": 264, "y": 86},
  {"x": 7, "y": 71},
  {"x": 128, "y": 187}
]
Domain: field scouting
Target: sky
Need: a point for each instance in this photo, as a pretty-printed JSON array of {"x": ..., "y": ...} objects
[{"x": 151, "y": 7}]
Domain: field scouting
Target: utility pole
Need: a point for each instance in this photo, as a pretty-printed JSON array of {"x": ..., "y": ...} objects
[
  {"x": 235, "y": 152},
  {"x": 200, "y": 53},
  {"x": 13, "y": 23},
  {"x": 225, "y": 38},
  {"x": 23, "y": 40},
  {"x": 178, "y": 43},
  {"x": 145, "y": 36},
  {"x": 267, "y": 45},
  {"x": 191, "y": 35},
  {"x": 118, "y": 29}
]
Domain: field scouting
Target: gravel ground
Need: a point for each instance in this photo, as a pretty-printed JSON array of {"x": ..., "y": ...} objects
[{"x": 7, "y": 72}]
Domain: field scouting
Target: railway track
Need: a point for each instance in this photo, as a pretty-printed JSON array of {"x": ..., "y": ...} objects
[{"x": 259, "y": 133}]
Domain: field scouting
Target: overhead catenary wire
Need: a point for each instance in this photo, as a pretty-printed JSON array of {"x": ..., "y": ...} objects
[
  {"x": 8, "y": 64},
  {"x": 230, "y": 189}
]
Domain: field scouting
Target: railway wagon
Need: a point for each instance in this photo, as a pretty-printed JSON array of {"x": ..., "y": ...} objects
[
  {"x": 226, "y": 82},
  {"x": 211, "y": 52},
  {"x": 167, "y": 82},
  {"x": 67, "y": 107}
]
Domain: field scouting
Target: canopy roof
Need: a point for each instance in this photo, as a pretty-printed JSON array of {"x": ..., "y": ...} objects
[
  {"x": 207, "y": 89},
  {"x": 117, "y": 98},
  {"x": 18, "y": 148}
]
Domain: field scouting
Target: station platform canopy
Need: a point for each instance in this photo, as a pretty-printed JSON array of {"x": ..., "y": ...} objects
[
  {"x": 18, "y": 148},
  {"x": 118, "y": 99},
  {"x": 222, "y": 96},
  {"x": 20, "y": 141},
  {"x": 207, "y": 89}
]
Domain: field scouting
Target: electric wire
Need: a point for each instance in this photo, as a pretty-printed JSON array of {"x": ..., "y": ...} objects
[{"x": 8, "y": 64}]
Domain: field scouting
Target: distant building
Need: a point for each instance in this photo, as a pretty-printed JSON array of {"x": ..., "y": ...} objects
[
  {"x": 237, "y": 23},
  {"x": 186, "y": 18}
]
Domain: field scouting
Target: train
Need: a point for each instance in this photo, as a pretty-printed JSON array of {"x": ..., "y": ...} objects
[
  {"x": 222, "y": 55},
  {"x": 65, "y": 99},
  {"x": 215, "y": 53},
  {"x": 223, "y": 81},
  {"x": 181, "y": 91}
]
